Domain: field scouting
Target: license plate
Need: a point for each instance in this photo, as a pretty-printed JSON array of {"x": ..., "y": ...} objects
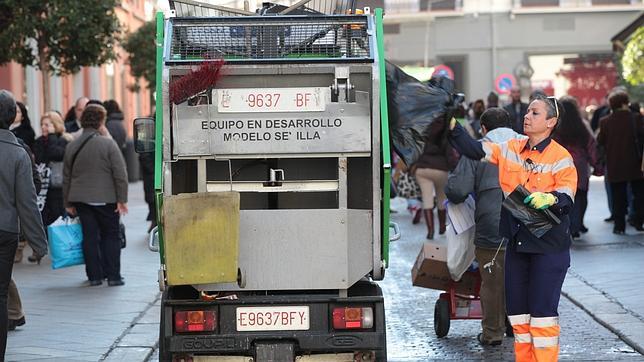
[
  {"x": 244, "y": 100},
  {"x": 291, "y": 318}
]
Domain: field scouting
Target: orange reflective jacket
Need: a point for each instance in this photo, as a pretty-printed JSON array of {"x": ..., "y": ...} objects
[{"x": 546, "y": 167}]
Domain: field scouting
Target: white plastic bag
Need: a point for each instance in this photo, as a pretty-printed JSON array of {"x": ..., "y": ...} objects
[
  {"x": 461, "y": 216},
  {"x": 460, "y": 237}
]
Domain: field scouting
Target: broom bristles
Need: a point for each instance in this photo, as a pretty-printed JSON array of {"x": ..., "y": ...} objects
[{"x": 195, "y": 82}]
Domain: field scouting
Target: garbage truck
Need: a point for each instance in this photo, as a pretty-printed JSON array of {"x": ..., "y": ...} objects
[{"x": 272, "y": 179}]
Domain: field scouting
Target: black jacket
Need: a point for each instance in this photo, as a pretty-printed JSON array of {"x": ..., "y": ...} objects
[
  {"x": 114, "y": 124},
  {"x": 49, "y": 149},
  {"x": 25, "y": 133}
]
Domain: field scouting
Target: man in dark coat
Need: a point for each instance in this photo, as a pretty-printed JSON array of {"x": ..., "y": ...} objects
[
  {"x": 482, "y": 179},
  {"x": 74, "y": 124},
  {"x": 622, "y": 135},
  {"x": 18, "y": 209},
  {"x": 516, "y": 110}
]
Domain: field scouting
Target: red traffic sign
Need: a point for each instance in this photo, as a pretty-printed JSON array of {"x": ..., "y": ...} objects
[
  {"x": 504, "y": 83},
  {"x": 443, "y": 70}
]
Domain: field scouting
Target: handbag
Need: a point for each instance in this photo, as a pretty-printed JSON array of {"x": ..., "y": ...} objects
[
  {"x": 65, "y": 242},
  {"x": 407, "y": 186},
  {"x": 56, "y": 174},
  {"x": 122, "y": 234}
]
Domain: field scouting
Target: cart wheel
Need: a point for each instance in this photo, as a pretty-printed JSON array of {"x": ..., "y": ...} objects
[{"x": 441, "y": 318}]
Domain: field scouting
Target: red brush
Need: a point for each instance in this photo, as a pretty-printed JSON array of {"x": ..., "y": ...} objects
[{"x": 197, "y": 81}]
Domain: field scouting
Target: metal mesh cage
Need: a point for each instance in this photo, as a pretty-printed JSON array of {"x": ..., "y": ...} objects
[
  {"x": 192, "y": 8},
  {"x": 248, "y": 38}
]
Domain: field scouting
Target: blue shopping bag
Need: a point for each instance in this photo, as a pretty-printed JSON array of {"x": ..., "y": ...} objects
[{"x": 65, "y": 242}]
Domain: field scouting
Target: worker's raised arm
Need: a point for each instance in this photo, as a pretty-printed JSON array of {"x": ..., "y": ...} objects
[{"x": 470, "y": 148}]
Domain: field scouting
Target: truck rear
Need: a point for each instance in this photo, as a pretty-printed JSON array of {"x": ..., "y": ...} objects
[{"x": 272, "y": 183}]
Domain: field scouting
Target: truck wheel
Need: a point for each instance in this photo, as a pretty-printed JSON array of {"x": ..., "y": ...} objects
[
  {"x": 164, "y": 354},
  {"x": 441, "y": 318}
]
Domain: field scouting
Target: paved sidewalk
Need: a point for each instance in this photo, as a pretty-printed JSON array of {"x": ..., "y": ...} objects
[
  {"x": 69, "y": 321},
  {"x": 604, "y": 278}
]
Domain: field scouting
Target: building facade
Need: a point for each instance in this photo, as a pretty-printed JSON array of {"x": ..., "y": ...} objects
[
  {"x": 527, "y": 41},
  {"x": 109, "y": 81}
]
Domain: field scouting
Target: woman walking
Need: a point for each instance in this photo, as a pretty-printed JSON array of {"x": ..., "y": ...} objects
[
  {"x": 95, "y": 188},
  {"x": 49, "y": 149},
  {"x": 431, "y": 174},
  {"x": 575, "y": 137}
]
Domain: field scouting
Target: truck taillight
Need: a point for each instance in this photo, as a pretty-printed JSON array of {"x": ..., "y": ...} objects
[
  {"x": 352, "y": 318},
  {"x": 194, "y": 321}
]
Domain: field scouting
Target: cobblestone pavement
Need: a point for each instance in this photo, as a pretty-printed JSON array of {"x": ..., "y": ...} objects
[{"x": 410, "y": 310}]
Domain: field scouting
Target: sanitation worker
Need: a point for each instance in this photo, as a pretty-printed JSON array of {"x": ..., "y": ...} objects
[{"x": 535, "y": 267}]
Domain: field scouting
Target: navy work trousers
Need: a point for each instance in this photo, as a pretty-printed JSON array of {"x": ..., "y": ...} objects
[
  {"x": 101, "y": 242},
  {"x": 533, "y": 281}
]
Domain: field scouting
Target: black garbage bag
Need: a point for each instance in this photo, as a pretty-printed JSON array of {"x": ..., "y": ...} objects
[
  {"x": 413, "y": 106},
  {"x": 538, "y": 222}
]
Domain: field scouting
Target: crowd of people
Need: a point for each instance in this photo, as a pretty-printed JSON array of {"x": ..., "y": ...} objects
[
  {"x": 74, "y": 168},
  {"x": 551, "y": 148}
]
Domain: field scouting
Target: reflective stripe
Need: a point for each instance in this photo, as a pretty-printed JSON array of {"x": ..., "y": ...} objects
[
  {"x": 522, "y": 338},
  {"x": 566, "y": 190},
  {"x": 519, "y": 319},
  {"x": 561, "y": 164},
  {"x": 488, "y": 149},
  {"x": 545, "y": 342},
  {"x": 512, "y": 156},
  {"x": 544, "y": 321},
  {"x": 544, "y": 331}
]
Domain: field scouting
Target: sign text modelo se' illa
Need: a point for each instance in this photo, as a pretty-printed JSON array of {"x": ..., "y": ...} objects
[{"x": 272, "y": 123}]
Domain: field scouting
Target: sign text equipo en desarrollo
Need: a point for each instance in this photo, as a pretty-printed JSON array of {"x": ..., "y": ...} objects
[{"x": 302, "y": 129}]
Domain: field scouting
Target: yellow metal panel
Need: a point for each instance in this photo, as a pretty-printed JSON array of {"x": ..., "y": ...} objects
[{"x": 201, "y": 237}]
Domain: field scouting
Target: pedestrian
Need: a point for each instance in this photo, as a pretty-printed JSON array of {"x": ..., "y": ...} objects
[
  {"x": 95, "y": 189},
  {"x": 602, "y": 111},
  {"x": 73, "y": 125},
  {"x": 430, "y": 172},
  {"x": 482, "y": 180},
  {"x": 477, "y": 110},
  {"x": 516, "y": 109},
  {"x": 49, "y": 150},
  {"x": 580, "y": 143},
  {"x": 535, "y": 267},
  {"x": 622, "y": 135},
  {"x": 492, "y": 100},
  {"x": 35, "y": 176},
  {"x": 18, "y": 209},
  {"x": 115, "y": 125},
  {"x": 21, "y": 126}
]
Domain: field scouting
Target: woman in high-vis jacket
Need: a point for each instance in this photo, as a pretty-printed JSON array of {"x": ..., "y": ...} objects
[{"x": 535, "y": 267}]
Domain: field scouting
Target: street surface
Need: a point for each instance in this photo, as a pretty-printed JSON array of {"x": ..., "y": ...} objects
[{"x": 602, "y": 310}]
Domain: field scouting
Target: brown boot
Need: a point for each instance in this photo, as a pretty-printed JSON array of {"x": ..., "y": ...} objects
[
  {"x": 417, "y": 216},
  {"x": 18, "y": 257},
  {"x": 442, "y": 214},
  {"x": 429, "y": 220}
]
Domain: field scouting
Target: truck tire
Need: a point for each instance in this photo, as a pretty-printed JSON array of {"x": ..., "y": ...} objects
[
  {"x": 441, "y": 318},
  {"x": 164, "y": 353}
]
